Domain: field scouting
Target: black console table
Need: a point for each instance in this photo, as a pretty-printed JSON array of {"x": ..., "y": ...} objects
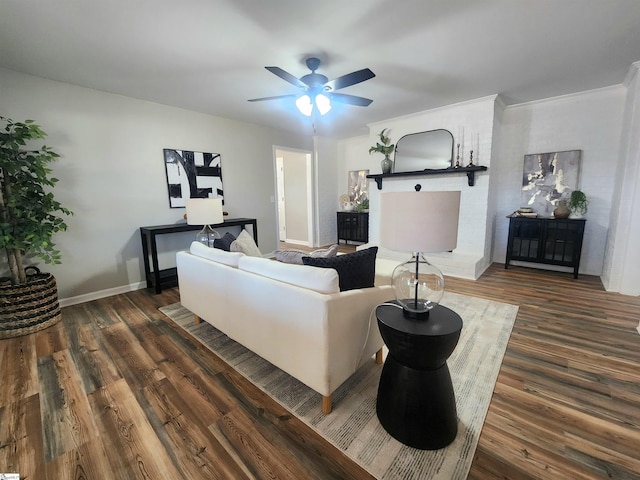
[
  {"x": 416, "y": 403},
  {"x": 169, "y": 276},
  {"x": 554, "y": 241}
]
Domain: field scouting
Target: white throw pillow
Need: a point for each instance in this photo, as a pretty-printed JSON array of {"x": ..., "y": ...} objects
[
  {"x": 246, "y": 244},
  {"x": 295, "y": 256},
  {"x": 321, "y": 280},
  {"x": 216, "y": 254}
]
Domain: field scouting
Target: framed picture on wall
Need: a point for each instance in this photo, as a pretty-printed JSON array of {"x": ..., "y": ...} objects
[
  {"x": 358, "y": 185},
  {"x": 547, "y": 178},
  {"x": 192, "y": 175}
]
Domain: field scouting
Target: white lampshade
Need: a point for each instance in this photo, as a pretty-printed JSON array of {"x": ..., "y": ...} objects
[
  {"x": 419, "y": 221},
  {"x": 204, "y": 211}
]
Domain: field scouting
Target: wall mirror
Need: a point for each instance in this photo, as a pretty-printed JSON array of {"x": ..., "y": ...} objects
[{"x": 424, "y": 150}]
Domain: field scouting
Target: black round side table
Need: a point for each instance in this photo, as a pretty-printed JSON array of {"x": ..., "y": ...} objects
[{"x": 416, "y": 403}]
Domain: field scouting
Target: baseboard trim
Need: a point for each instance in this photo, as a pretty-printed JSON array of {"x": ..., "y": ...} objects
[{"x": 109, "y": 292}]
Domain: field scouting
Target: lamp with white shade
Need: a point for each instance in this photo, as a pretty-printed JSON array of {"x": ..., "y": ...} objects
[
  {"x": 419, "y": 222},
  {"x": 206, "y": 212}
]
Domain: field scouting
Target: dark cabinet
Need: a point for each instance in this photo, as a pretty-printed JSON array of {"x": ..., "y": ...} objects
[
  {"x": 552, "y": 241},
  {"x": 353, "y": 226}
]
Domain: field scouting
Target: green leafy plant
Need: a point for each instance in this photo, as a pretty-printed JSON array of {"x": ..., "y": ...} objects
[
  {"x": 384, "y": 146},
  {"x": 363, "y": 205},
  {"x": 578, "y": 202},
  {"x": 29, "y": 214}
]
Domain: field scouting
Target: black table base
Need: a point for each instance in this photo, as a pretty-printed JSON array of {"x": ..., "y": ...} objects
[
  {"x": 416, "y": 402},
  {"x": 417, "y": 407}
]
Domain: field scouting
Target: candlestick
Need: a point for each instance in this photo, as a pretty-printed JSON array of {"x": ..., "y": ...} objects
[
  {"x": 471, "y": 160},
  {"x": 458, "y": 158}
]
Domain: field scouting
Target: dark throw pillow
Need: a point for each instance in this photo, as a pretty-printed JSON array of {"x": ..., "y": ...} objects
[
  {"x": 225, "y": 242},
  {"x": 355, "y": 270}
]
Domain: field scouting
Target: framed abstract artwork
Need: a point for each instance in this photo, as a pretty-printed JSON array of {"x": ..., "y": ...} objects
[
  {"x": 358, "y": 185},
  {"x": 547, "y": 178},
  {"x": 192, "y": 175}
]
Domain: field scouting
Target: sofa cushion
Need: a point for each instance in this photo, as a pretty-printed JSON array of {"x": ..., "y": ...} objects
[
  {"x": 225, "y": 242},
  {"x": 317, "y": 279},
  {"x": 245, "y": 244},
  {"x": 355, "y": 270},
  {"x": 216, "y": 254},
  {"x": 295, "y": 256}
]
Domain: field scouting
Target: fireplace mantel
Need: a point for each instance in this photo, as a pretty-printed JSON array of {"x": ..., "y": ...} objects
[{"x": 470, "y": 171}]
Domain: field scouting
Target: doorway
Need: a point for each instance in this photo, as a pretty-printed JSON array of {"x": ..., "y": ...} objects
[{"x": 294, "y": 193}]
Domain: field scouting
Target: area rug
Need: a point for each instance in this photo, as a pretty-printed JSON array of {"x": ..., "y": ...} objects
[{"x": 353, "y": 425}]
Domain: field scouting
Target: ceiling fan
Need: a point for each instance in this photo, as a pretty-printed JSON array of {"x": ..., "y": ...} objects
[{"x": 318, "y": 91}]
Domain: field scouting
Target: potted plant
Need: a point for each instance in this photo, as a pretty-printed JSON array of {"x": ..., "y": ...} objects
[
  {"x": 363, "y": 205},
  {"x": 29, "y": 218},
  {"x": 385, "y": 147},
  {"x": 578, "y": 203}
]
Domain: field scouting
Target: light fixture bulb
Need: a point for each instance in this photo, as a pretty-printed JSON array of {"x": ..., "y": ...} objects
[
  {"x": 304, "y": 105},
  {"x": 323, "y": 103}
]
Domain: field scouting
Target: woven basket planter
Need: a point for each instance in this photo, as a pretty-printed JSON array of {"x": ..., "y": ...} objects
[{"x": 29, "y": 307}]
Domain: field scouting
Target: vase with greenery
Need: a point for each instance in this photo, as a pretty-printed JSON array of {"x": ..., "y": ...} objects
[
  {"x": 578, "y": 204},
  {"x": 30, "y": 216},
  {"x": 385, "y": 147}
]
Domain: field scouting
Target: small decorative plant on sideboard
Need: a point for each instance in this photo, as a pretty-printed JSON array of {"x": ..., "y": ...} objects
[
  {"x": 385, "y": 147},
  {"x": 578, "y": 204},
  {"x": 29, "y": 218}
]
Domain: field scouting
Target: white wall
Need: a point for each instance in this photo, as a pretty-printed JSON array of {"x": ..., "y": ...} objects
[
  {"x": 621, "y": 272},
  {"x": 474, "y": 120},
  {"x": 326, "y": 189},
  {"x": 589, "y": 121},
  {"x": 592, "y": 121},
  {"x": 295, "y": 184},
  {"x": 112, "y": 174}
]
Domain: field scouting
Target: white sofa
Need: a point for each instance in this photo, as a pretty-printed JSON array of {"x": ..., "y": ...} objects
[{"x": 294, "y": 316}]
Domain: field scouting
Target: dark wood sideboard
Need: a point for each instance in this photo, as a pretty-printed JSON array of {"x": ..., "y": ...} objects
[
  {"x": 169, "y": 276},
  {"x": 353, "y": 227},
  {"x": 553, "y": 241}
]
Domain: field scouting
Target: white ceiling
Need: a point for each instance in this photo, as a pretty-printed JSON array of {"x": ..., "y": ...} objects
[{"x": 209, "y": 55}]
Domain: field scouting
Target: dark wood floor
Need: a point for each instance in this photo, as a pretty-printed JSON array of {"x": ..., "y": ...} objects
[{"x": 116, "y": 391}]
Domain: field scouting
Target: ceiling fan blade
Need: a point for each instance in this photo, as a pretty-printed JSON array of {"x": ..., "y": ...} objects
[
  {"x": 271, "y": 98},
  {"x": 350, "y": 99},
  {"x": 286, "y": 76},
  {"x": 350, "y": 79}
]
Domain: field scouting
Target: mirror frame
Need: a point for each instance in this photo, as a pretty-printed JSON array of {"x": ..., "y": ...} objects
[{"x": 426, "y": 163}]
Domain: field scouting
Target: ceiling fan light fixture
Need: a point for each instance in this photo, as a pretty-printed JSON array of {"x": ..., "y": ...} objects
[
  {"x": 323, "y": 103},
  {"x": 314, "y": 85},
  {"x": 304, "y": 105}
]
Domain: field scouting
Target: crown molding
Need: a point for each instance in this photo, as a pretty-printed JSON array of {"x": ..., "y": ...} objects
[
  {"x": 436, "y": 109},
  {"x": 631, "y": 74},
  {"x": 564, "y": 97}
]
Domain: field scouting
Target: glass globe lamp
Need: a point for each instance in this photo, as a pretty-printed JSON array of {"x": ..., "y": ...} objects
[
  {"x": 207, "y": 236},
  {"x": 418, "y": 286},
  {"x": 419, "y": 222}
]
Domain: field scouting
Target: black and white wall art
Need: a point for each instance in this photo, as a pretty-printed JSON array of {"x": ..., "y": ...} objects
[
  {"x": 192, "y": 175},
  {"x": 548, "y": 178}
]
